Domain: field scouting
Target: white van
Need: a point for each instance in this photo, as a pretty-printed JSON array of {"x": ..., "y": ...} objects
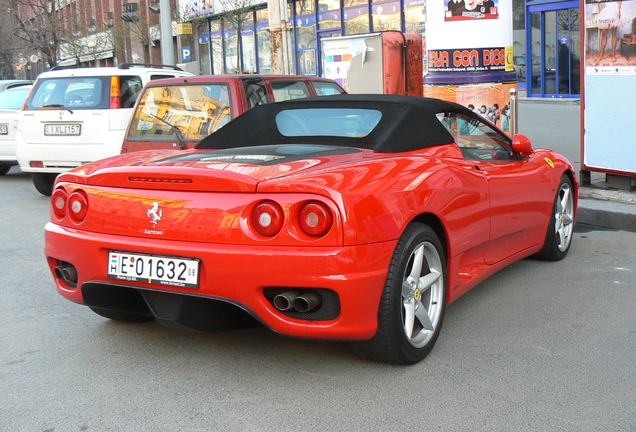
[{"x": 78, "y": 115}]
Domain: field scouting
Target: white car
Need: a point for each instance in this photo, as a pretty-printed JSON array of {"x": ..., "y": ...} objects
[
  {"x": 11, "y": 102},
  {"x": 78, "y": 115}
]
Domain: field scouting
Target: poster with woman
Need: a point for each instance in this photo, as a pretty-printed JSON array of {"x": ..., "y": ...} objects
[
  {"x": 457, "y": 10},
  {"x": 610, "y": 33}
]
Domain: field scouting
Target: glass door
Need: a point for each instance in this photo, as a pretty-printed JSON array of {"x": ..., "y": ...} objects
[
  {"x": 321, "y": 35},
  {"x": 553, "y": 69}
]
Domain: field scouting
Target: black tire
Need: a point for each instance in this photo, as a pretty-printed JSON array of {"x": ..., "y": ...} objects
[
  {"x": 121, "y": 316},
  {"x": 406, "y": 288},
  {"x": 4, "y": 169},
  {"x": 558, "y": 237},
  {"x": 44, "y": 182}
]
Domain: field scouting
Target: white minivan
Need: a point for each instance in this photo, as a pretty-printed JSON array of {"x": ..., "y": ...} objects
[{"x": 78, "y": 115}]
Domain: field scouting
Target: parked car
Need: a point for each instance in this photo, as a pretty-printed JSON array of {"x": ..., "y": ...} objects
[
  {"x": 350, "y": 217},
  {"x": 11, "y": 102},
  {"x": 78, "y": 115},
  {"x": 9, "y": 84},
  {"x": 179, "y": 112}
]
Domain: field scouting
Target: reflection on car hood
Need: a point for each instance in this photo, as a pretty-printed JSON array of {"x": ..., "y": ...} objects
[
  {"x": 264, "y": 168},
  {"x": 237, "y": 170}
]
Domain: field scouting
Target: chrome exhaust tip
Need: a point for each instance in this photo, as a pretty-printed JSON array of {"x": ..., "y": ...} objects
[
  {"x": 307, "y": 302},
  {"x": 285, "y": 301}
]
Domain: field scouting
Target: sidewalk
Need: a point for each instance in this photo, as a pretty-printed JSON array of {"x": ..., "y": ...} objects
[{"x": 555, "y": 123}]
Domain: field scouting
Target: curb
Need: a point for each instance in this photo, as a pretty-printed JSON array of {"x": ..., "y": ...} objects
[{"x": 607, "y": 208}]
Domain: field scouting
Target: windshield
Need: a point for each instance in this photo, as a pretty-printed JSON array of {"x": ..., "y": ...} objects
[
  {"x": 338, "y": 122},
  {"x": 196, "y": 110},
  {"x": 14, "y": 99}
]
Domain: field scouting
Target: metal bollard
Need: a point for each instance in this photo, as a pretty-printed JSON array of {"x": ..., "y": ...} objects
[{"x": 514, "y": 112}]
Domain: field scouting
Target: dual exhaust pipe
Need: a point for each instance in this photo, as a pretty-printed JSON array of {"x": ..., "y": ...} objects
[
  {"x": 68, "y": 273},
  {"x": 294, "y": 301}
]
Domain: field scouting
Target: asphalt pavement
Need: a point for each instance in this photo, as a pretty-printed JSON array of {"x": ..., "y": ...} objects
[{"x": 555, "y": 124}]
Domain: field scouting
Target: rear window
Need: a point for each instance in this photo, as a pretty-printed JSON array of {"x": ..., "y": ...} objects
[
  {"x": 82, "y": 93},
  {"x": 327, "y": 88},
  {"x": 336, "y": 122},
  {"x": 14, "y": 99},
  {"x": 286, "y": 90},
  {"x": 194, "y": 110}
]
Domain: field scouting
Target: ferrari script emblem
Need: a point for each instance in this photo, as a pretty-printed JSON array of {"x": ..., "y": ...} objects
[{"x": 155, "y": 213}]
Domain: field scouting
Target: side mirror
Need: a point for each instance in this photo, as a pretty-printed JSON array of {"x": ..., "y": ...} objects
[{"x": 522, "y": 145}]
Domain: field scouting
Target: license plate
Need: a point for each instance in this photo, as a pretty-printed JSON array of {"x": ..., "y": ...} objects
[
  {"x": 4, "y": 129},
  {"x": 62, "y": 129},
  {"x": 153, "y": 269}
]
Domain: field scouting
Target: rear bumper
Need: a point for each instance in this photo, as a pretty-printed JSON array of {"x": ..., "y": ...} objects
[
  {"x": 239, "y": 275},
  {"x": 58, "y": 157}
]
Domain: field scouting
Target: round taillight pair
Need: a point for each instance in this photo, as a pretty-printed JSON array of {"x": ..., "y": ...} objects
[
  {"x": 316, "y": 218},
  {"x": 76, "y": 204}
]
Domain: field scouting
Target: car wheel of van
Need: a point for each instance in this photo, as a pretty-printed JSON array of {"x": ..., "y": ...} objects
[
  {"x": 44, "y": 182},
  {"x": 561, "y": 226},
  {"x": 4, "y": 169},
  {"x": 413, "y": 302},
  {"x": 121, "y": 316}
]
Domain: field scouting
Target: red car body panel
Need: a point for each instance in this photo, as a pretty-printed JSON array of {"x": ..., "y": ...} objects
[
  {"x": 349, "y": 260},
  {"x": 487, "y": 214}
]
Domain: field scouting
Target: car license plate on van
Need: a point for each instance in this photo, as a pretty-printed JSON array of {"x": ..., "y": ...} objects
[
  {"x": 153, "y": 269},
  {"x": 4, "y": 129},
  {"x": 62, "y": 129}
]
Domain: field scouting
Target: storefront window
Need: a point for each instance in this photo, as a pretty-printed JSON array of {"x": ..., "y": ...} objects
[
  {"x": 248, "y": 45},
  {"x": 230, "y": 42},
  {"x": 306, "y": 38},
  {"x": 415, "y": 16},
  {"x": 305, "y": 7},
  {"x": 356, "y": 14},
  {"x": 328, "y": 14},
  {"x": 204, "y": 55},
  {"x": 263, "y": 42},
  {"x": 386, "y": 15},
  {"x": 216, "y": 42}
]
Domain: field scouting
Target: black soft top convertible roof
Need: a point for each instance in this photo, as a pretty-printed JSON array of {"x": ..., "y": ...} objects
[{"x": 407, "y": 123}]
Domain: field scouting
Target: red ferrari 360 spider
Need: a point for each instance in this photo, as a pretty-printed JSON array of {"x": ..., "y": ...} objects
[{"x": 352, "y": 217}]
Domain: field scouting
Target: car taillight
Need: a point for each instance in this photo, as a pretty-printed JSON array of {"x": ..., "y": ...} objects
[
  {"x": 58, "y": 201},
  {"x": 115, "y": 95},
  {"x": 78, "y": 206},
  {"x": 316, "y": 218},
  {"x": 268, "y": 218}
]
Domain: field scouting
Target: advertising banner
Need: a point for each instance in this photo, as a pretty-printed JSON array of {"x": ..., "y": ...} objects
[
  {"x": 609, "y": 86},
  {"x": 467, "y": 60},
  {"x": 491, "y": 101},
  {"x": 469, "y": 41},
  {"x": 457, "y": 10}
]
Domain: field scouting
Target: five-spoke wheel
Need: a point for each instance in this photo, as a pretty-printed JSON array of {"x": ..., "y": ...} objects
[
  {"x": 561, "y": 227},
  {"x": 413, "y": 302}
]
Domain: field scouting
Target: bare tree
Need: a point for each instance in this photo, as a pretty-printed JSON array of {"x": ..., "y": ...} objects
[
  {"x": 9, "y": 48},
  {"x": 39, "y": 24}
]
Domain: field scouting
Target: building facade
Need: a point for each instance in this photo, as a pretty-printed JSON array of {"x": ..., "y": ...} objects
[
  {"x": 546, "y": 38},
  {"x": 547, "y": 45}
]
